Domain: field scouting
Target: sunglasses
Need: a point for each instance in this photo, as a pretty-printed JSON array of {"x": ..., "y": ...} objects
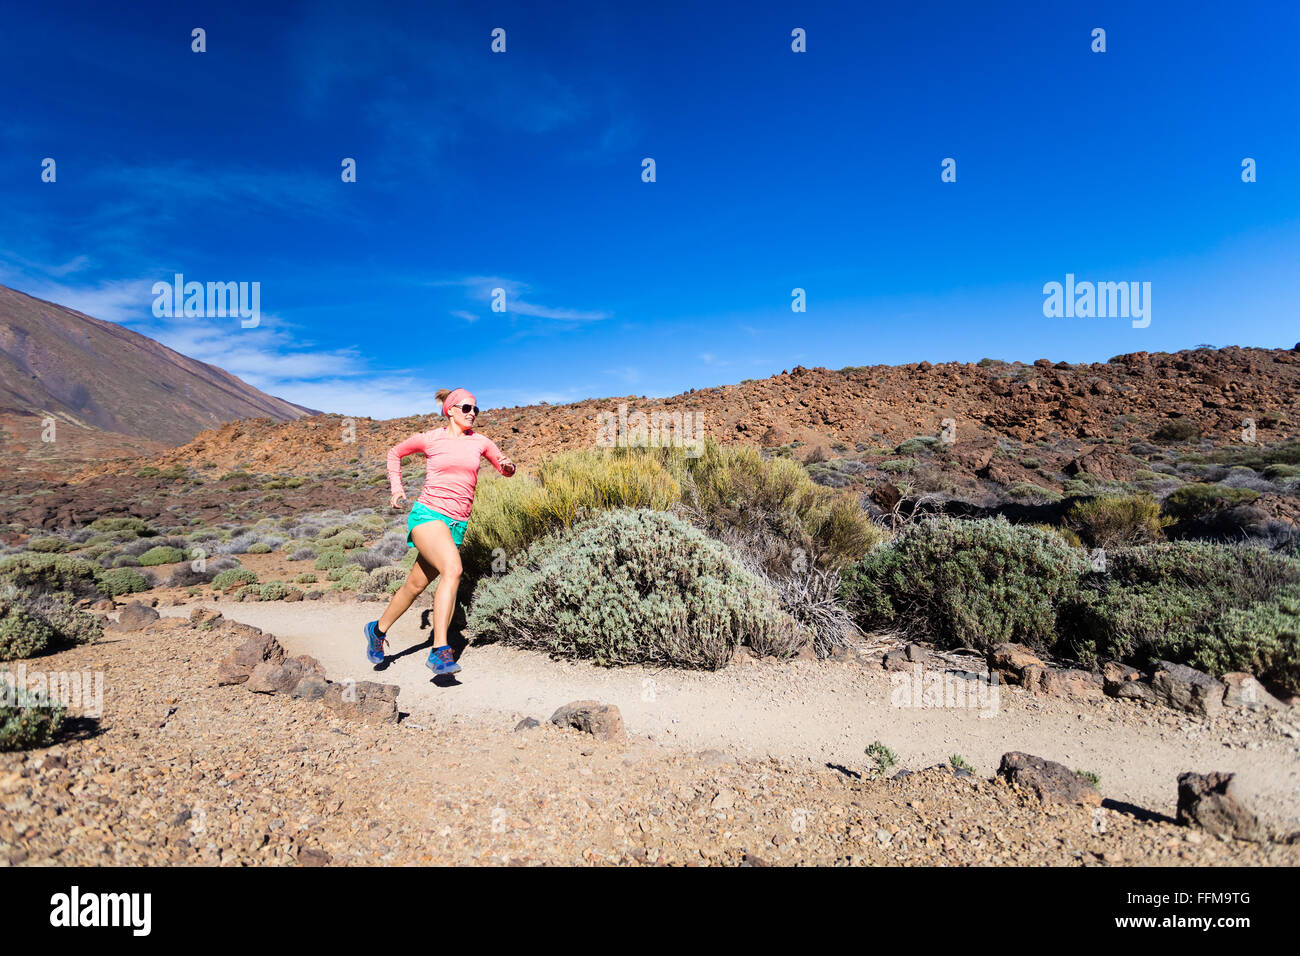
[{"x": 467, "y": 408}]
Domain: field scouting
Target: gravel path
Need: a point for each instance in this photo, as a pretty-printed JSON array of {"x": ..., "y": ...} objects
[
  {"x": 178, "y": 770},
  {"x": 817, "y": 712}
]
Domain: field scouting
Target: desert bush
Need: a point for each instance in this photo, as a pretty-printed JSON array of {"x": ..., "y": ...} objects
[
  {"x": 273, "y": 590},
  {"x": 30, "y": 721},
  {"x": 342, "y": 540},
  {"x": 23, "y": 633},
  {"x": 633, "y": 586},
  {"x": 137, "y": 526},
  {"x": 365, "y": 559},
  {"x": 382, "y": 579},
  {"x": 348, "y": 578},
  {"x": 1214, "y": 606},
  {"x": 119, "y": 581},
  {"x": 1274, "y": 472},
  {"x": 967, "y": 583},
  {"x": 1116, "y": 521},
  {"x": 162, "y": 555},
  {"x": 48, "y": 545},
  {"x": 32, "y": 574},
  {"x": 239, "y": 544},
  {"x": 261, "y": 547},
  {"x": 233, "y": 578},
  {"x": 330, "y": 559},
  {"x": 305, "y": 578},
  {"x": 187, "y": 576},
  {"x": 1065, "y": 534},
  {"x": 914, "y": 446},
  {"x": 1195, "y": 501},
  {"x": 124, "y": 561},
  {"x": 1176, "y": 430},
  {"x": 897, "y": 465},
  {"x": 303, "y": 554}
]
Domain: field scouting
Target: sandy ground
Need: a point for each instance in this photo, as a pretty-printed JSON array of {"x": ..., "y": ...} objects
[{"x": 823, "y": 712}]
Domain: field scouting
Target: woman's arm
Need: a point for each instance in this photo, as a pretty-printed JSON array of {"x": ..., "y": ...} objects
[
  {"x": 395, "y": 455},
  {"x": 499, "y": 461}
]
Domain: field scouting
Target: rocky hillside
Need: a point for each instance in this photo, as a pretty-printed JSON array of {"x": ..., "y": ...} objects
[
  {"x": 817, "y": 412},
  {"x": 109, "y": 390}
]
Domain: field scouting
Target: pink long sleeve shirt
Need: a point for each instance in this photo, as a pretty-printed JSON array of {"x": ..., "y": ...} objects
[{"x": 451, "y": 470}]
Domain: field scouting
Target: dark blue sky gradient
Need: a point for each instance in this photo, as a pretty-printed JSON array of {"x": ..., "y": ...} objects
[{"x": 776, "y": 170}]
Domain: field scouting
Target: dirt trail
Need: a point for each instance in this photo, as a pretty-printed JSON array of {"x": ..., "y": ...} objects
[{"x": 821, "y": 711}]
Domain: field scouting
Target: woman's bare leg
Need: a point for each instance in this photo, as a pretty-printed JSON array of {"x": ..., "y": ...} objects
[
  {"x": 422, "y": 572},
  {"x": 433, "y": 541}
]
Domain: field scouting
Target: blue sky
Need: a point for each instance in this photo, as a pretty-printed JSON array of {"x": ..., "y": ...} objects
[{"x": 775, "y": 170}]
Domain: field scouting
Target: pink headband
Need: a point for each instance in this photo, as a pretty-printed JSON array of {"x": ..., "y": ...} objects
[{"x": 456, "y": 397}]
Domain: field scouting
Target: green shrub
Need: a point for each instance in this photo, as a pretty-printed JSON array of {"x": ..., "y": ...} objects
[
  {"x": 29, "y": 721},
  {"x": 329, "y": 560},
  {"x": 1191, "y": 502},
  {"x": 1274, "y": 472},
  {"x": 897, "y": 465},
  {"x": 261, "y": 547},
  {"x": 112, "y": 525},
  {"x": 384, "y": 579},
  {"x": 914, "y": 446},
  {"x": 882, "y": 758},
  {"x": 122, "y": 581},
  {"x": 633, "y": 586},
  {"x": 1065, "y": 534},
  {"x": 349, "y": 578},
  {"x": 967, "y": 583},
  {"x": 233, "y": 578},
  {"x": 33, "y": 574},
  {"x": 273, "y": 590},
  {"x": 23, "y": 633},
  {"x": 162, "y": 555},
  {"x": 1176, "y": 430},
  {"x": 342, "y": 540},
  {"x": 126, "y": 561},
  {"x": 1028, "y": 491},
  {"x": 149, "y": 471},
  {"x": 47, "y": 545},
  {"x": 305, "y": 578},
  {"x": 1213, "y": 606},
  {"x": 721, "y": 488},
  {"x": 1115, "y": 521}
]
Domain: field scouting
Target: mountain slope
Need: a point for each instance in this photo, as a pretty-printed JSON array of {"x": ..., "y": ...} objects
[{"x": 109, "y": 389}]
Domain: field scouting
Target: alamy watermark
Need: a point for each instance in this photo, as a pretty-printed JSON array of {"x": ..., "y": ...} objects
[
  {"x": 919, "y": 689},
  {"x": 80, "y": 693},
  {"x": 1102, "y": 300},
  {"x": 636, "y": 429},
  {"x": 215, "y": 300}
]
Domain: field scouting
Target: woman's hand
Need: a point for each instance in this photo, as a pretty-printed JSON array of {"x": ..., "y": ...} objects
[
  {"x": 507, "y": 466},
  {"x": 397, "y": 498}
]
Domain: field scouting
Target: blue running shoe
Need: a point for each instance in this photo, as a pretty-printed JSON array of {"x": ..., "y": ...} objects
[
  {"x": 441, "y": 662},
  {"x": 374, "y": 643}
]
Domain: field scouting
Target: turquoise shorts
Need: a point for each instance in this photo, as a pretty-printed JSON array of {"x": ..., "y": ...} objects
[{"x": 420, "y": 513}]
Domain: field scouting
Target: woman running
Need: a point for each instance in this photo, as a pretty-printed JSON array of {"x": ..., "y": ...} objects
[{"x": 438, "y": 519}]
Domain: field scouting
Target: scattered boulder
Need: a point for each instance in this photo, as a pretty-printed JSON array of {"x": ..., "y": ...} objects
[
  {"x": 313, "y": 856},
  {"x": 1116, "y": 675},
  {"x": 1009, "y": 661},
  {"x": 136, "y": 616},
  {"x": 1217, "y": 804},
  {"x": 1243, "y": 691},
  {"x": 237, "y": 666},
  {"x": 311, "y": 687},
  {"x": 363, "y": 700},
  {"x": 528, "y": 723},
  {"x": 902, "y": 658},
  {"x": 592, "y": 717},
  {"x": 1071, "y": 682},
  {"x": 1052, "y": 782},
  {"x": 204, "y": 615},
  {"x": 1186, "y": 688},
  {"x": 269, "y": 678}
]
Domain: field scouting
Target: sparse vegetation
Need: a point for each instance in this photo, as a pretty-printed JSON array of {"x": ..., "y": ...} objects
[{"x": 882, "y": 758}]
